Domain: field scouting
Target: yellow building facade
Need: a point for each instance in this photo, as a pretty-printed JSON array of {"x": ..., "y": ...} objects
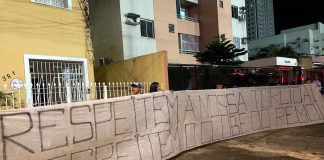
[{"x": 43, "y": 43}]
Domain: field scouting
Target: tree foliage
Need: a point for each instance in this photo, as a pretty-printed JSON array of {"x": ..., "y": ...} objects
[
  {"x": 5, "y": 99},
  {"x": 2, "y": 98},
  {"x": 276, "y": 51},
  {"x": 220, "y": 51}
]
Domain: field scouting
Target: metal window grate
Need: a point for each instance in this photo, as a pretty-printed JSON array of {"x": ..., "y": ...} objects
[
  {"x": 53, "y": 81},
  {"x": 188, "y": 43}
]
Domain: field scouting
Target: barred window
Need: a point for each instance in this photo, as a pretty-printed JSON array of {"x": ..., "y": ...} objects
[
  {"x": 55, "y": 3},
  {"x": 188, "y": 43},
  {"x": 49, "y": 79}
]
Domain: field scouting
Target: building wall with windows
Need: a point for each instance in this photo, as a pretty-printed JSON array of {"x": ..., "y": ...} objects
[
  {"x": 260, "y": 19},
  {"x": 39, "y": 38},
  {"x": 116, "y": 36},
  {"x": 239, "y": 26},
  {"x": 180, "y": 27},
  {"x": 140, "y": 39},
  {"x": 308, "y": 39},
  {"x": 173, "y": 26}
]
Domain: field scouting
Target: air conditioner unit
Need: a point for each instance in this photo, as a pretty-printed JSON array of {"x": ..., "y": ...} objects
[
  {"x": 132, "y": 19},
  {"x": 243, "y": 10},
  {"x": 244, "y": 40}
]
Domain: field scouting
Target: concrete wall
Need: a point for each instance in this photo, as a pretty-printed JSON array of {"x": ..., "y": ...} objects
[
  {"x": 106, "y": 30},
  {"x": 188, "y": 27},
  {"x": 148, "y": 68},
  {"x": 165, "y": 13},
  {"x": 305, "y": 62},
  {"x": 239, "y": 28},
  {"x": 214, "y": 21},
  {"x": 133, "y": 43},
  {"x": 30, "y": 28},
  {"x": 208, "y": 29}
]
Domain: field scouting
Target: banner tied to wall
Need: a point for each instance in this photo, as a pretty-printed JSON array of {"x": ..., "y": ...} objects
[{"x": 154, "y": 126}]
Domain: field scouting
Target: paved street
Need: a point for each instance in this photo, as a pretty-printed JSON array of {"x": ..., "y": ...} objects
[{"x": 305, "y": 142}]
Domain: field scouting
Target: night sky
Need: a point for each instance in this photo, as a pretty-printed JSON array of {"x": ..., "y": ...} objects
[{"x": 294, "y": 13}]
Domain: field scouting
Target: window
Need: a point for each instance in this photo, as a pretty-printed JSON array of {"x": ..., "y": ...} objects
[
  {"x": 56, "y": 80},
  {"x": 183, "y": 13},
  {"x": 244, "y": 40},
  {"x": 147, "y": 28},
  {"x": 235, "y": 12},
  {"x": 55, "y": 3},
  {"x": 171, "y": 28},
  {"x": 237, "y": 42},
  {"x": 221, "y": 4},
  {"x": 188, "y": 43}
]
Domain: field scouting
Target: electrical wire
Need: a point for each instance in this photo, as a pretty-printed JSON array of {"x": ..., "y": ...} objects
[
  {"x": 41, "y": 27},
  {"x": 39, "y": 18}
]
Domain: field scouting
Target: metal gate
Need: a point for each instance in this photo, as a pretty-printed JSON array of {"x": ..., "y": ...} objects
[{"x": 55, "y": 82}]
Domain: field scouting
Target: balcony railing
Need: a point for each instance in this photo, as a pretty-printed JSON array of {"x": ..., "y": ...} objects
[
  {"x": 187, "y": 51},
  {"x": 188, "y": 18}
]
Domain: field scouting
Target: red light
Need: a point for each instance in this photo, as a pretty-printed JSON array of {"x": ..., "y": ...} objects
[
  {"x": 302, "y": 77},
  {"x": 238, "y": 74}
]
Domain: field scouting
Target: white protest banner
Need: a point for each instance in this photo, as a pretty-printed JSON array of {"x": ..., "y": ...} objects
[{"x": 153, "y": 126}]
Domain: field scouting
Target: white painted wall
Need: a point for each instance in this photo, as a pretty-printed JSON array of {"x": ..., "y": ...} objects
[
  {"x": 239, "y": 28},
  {"x": 133, "y": 44},
  {"x": 305, "y": 39}
]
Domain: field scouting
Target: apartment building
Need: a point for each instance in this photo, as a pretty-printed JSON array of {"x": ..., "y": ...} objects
[
  {"x": 308, "y": 39},
  {"x": 44, "y": 45},
  {"x": 260, "y": 19},
  {"x": 126, "y": 29},
  {"x": 239, "y": 29}
]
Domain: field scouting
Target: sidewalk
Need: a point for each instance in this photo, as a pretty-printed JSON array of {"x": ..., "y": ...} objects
[{"x": 305, "y": 142}]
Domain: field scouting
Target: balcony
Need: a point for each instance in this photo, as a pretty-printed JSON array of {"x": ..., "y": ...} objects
[
  {"x": 188, "y": 14},
  {"x": 184, "y": 17},
  {"x": 188, "y": 3}
]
